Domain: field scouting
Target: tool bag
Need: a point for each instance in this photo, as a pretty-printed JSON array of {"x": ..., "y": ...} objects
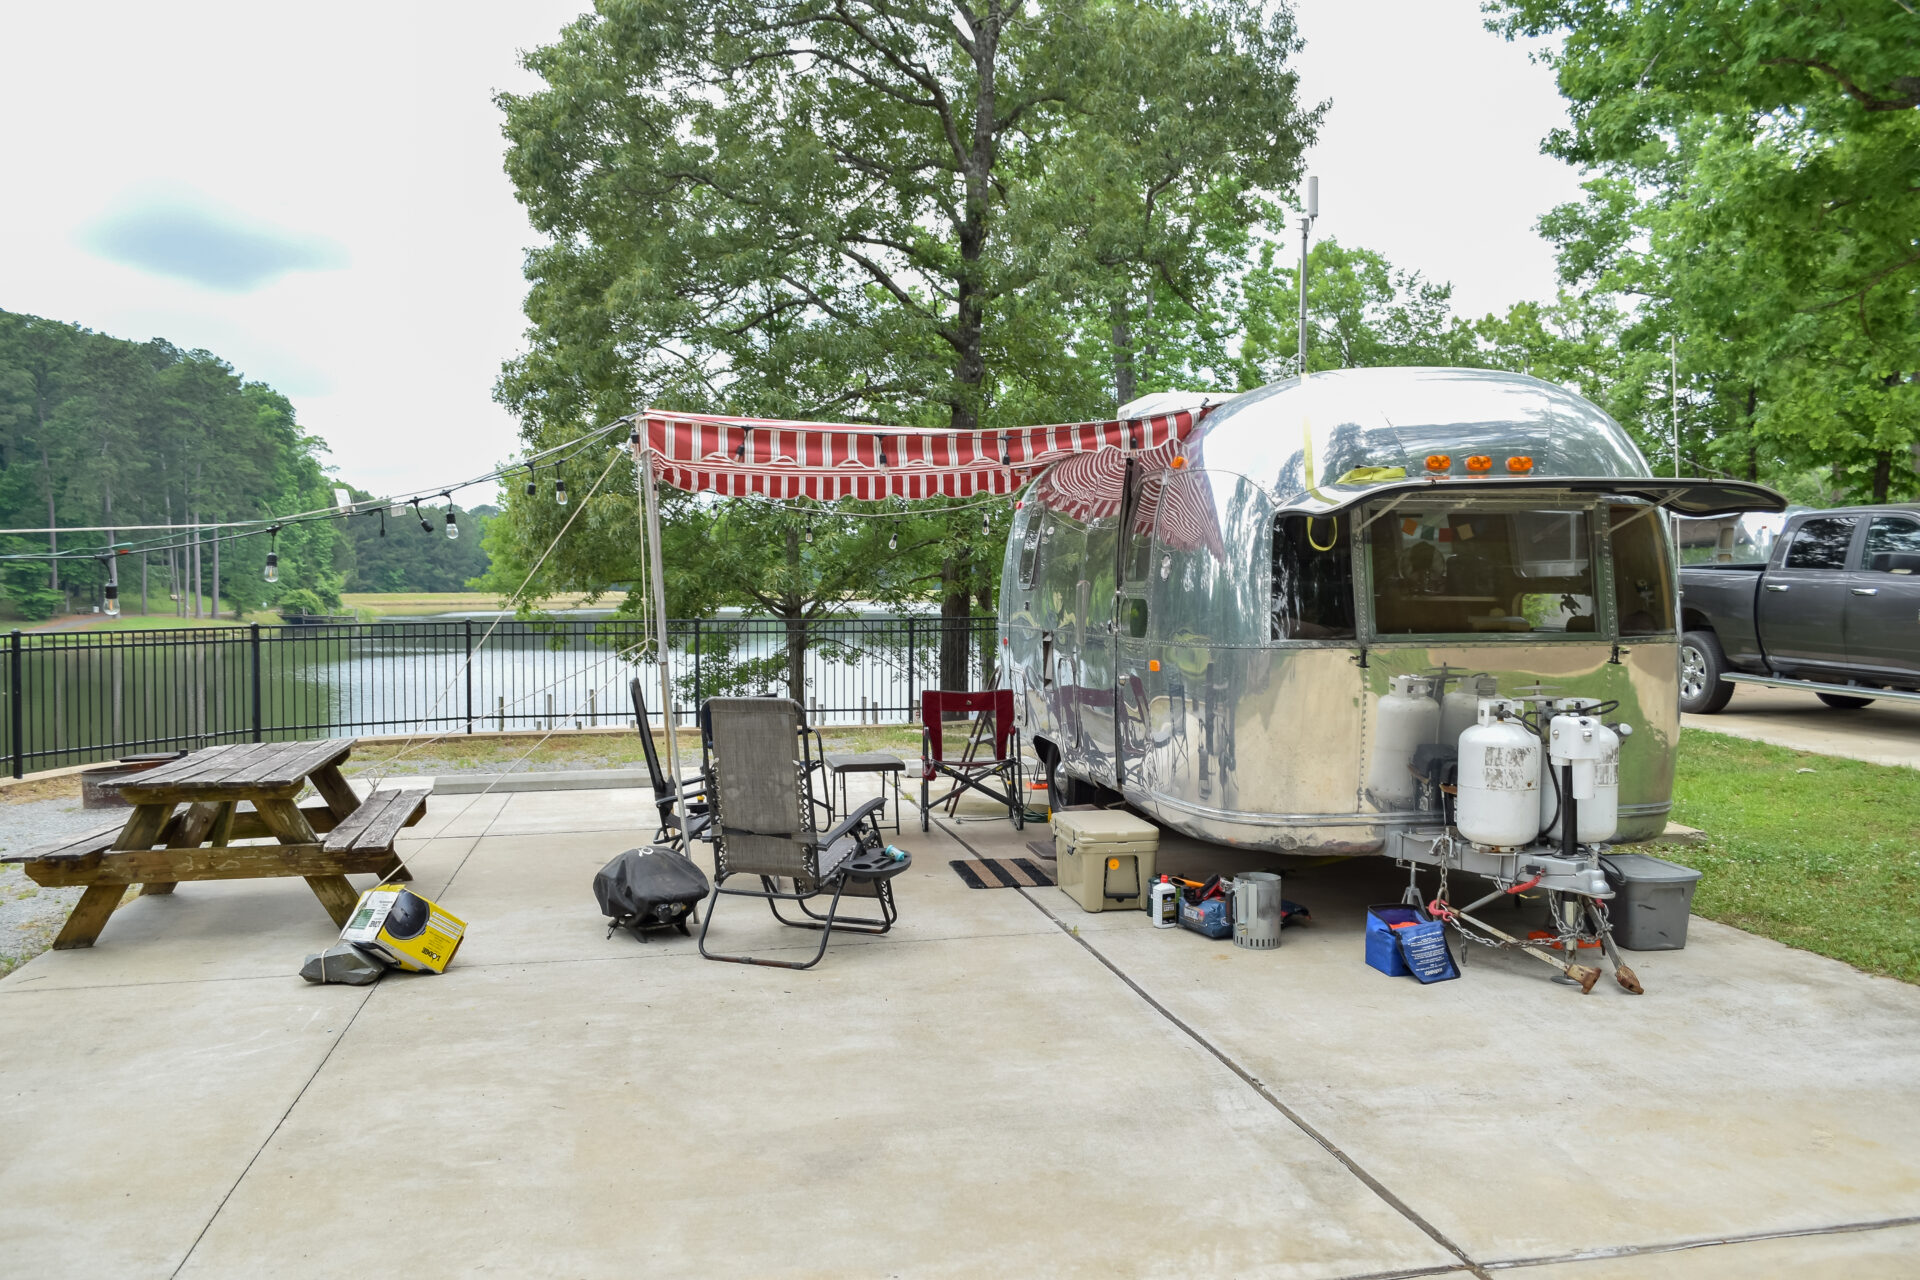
[{"x": 649, "y": 888}]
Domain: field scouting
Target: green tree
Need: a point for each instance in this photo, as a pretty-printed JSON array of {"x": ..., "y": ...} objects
[{"x": 832, "y": 209}]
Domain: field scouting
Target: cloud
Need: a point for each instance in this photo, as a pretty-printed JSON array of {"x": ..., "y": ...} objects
[{"x": 213, "y": 250}]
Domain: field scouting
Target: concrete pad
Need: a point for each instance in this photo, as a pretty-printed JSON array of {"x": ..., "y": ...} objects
[
  {"x": 130, "y": 1112},
  {"x": 1885, "y": 733},
  {"x": 458, "y": 816},
  {"x": 529, "y": 898},
  {"x": 537, "y": 812},
  {"x": 1753, "y": 1089},
  {"x": 929, "y": 1109},
  {"x": 455, "y": 784},
  {"x": 1886, "y": 1254},
  {"x": 218, "y": 929}
]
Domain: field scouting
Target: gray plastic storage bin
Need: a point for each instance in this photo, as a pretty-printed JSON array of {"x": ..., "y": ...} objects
[{"x": 1652, "y": 900}]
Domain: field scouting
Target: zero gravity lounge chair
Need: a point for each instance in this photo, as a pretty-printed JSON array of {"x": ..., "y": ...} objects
[
  {"x": 760, "y": 785},
  {"x": 692, "y": 797}
]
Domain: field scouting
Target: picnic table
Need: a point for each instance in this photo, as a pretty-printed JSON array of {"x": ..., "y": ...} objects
[{"x": 163, "y": 843}]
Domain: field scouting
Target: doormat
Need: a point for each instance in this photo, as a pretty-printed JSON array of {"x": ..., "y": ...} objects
[{"x": 1001, "y": 873}]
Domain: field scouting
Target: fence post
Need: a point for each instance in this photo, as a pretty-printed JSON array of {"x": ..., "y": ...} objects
[
  {"x": 469, "y": 623},
  {"x": 258, "y": 715},
  {"x": 909, "y": 668},
  {"x": 696, "y": 668},
  {"x": 15, "y": 709}
]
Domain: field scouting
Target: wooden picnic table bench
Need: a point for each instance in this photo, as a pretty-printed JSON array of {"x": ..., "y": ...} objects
[{"x": 158, "y": 847}]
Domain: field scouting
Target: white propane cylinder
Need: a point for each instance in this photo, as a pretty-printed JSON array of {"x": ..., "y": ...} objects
[
  {"x": 1408, "y": 717},
  {"x": 1594, "y": 752},
  {"x": 1498, "y": 803},
  {"x": 1460, "y": 710}
]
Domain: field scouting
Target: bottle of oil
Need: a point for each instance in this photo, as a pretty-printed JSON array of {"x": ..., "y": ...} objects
[{"x": 1164, "y": 904}]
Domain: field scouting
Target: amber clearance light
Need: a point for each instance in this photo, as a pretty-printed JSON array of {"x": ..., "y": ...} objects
[
  {"x": 1520, "y": 464},
  {"x": 1439, "y": 461},
  {"x": 1479, "y": 462}
]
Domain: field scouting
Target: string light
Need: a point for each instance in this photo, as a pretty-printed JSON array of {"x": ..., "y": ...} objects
[
  {"x": 746, "y": 433},
  {"x": 426, "y": 525},
  {"x": 272, "y": 573},
  {"x": 893, "y": 539},
  {"x": 113, "y": 587},
  {"x": 453, "y": 527},
  {"x": 560, "y": 492},
  {"x": 809, "y": 528},
  {"x": 533, "y": 482}
]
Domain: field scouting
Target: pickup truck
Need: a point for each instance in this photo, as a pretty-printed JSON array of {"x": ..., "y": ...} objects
[{"x": 1834, "y": 610}]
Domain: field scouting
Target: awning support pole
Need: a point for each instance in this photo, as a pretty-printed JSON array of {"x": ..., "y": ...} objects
[{"x": 650, "y": 502}]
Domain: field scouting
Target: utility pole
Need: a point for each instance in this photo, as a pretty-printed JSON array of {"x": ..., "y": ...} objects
[
  {"x": 1673, "y": 397},
  {"x": 1306, "y": 224}
]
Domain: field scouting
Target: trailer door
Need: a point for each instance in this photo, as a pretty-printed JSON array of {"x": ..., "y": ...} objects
[{"x": 1096, "y": 692}]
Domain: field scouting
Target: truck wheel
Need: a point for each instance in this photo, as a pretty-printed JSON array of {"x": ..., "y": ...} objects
[
  {"x": 1843, "y": 702},
  {"x": 1702, "y": 691}
]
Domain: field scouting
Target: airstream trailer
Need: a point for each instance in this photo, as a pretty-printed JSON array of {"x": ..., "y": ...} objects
[{"x": 1253, "y": 634}]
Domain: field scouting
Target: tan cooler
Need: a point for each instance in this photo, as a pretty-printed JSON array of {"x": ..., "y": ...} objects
[{"x": 1104, "y": 858}]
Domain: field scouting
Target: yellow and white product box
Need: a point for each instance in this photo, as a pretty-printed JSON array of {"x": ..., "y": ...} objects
[{"x": 400, "y": 926}]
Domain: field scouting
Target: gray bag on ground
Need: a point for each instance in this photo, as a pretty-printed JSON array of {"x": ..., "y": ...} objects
[
  {"x": 649, "y": 888},
  {"x": 345, "y": 963}
]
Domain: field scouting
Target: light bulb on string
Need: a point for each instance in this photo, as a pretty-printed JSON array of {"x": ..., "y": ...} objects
[
  {"x": 809, "y": 529},
  {"x": 111, "y": 603},
  {"x": 533, "y": 482},
  {"x": 426, "y": 525},
  {"x": 893, "y": 539},
  {"x": 560, "y": 492},
  {"x": 272, "y": 573},
  {"x": 453, "y": 526},
  {"x": 986, "y": 523}
]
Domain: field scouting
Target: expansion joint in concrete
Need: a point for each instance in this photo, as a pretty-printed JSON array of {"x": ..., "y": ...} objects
[{"x": 1293, "y": 1117}]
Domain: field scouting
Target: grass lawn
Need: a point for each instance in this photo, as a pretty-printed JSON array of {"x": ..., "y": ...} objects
[{"x": 1813, "y": 851}]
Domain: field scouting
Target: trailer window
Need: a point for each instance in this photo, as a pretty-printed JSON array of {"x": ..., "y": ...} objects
[
  {"x": 1312, "y": 578},
  {"x": 1030, "y": 547},
  {"x": 1642, "y": 581},
  {"x": 1438, "y": 571}
]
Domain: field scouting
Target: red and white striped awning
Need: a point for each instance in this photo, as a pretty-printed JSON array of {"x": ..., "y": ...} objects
[{"x": 770, "y": 458}]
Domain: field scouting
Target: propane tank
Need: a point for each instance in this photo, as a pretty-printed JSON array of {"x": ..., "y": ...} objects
[
  {"x": 1460, "y": 710},
  {"x": 1594, "y": 752},
  {"x": 1499, "y": 778},
  {"x": 1408, "y": 717}
]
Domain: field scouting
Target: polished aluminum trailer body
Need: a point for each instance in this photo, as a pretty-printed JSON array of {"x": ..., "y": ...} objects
[{"x": 1216, "y": 635}]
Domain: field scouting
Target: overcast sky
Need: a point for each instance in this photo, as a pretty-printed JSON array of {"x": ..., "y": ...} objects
[{"x": 315, "y": 192}]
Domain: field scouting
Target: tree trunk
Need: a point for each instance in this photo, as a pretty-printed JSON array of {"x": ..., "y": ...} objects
[
  {"x": 143, "y": 585},
  {"x": 195, "y": 518},
  {"x": 1124, "y": 382},
  {"x": 1882, "y": 474},
  {"x": 955, "y": 609},
  {"x": 216, "y": 576}
]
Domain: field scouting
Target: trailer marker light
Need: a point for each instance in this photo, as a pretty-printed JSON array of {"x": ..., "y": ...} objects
[
  {"x": 1438, "y": 461},
  {"x": 1520, "y": 464},
  {"x": 1479, "y": 462},
  {"x": 1179, "y": 462},
  {"x": 1153, "y": 664}
]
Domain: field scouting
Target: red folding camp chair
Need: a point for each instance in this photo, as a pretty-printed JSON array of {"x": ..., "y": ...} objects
[{"x": 975, "y": 771}]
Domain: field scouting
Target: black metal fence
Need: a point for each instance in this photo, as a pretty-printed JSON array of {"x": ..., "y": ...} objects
[{"x": 80, "y": 696}]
